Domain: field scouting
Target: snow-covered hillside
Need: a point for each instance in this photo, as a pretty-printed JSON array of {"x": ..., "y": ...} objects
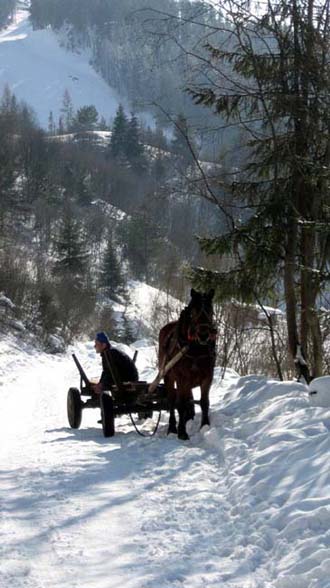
[
  {"x": 243, "y": 504},
  {"x": 38, "y": 70}
]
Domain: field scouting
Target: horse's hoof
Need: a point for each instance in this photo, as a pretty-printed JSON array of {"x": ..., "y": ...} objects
[
  {"x": 183, "y": 436},
  {"x": 206, "y": 422}
]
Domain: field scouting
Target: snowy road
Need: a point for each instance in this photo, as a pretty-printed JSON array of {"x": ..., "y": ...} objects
[{"x": 243, "y": 504}]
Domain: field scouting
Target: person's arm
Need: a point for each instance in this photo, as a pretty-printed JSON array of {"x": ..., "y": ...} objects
[{"x": 105, "y": 380}]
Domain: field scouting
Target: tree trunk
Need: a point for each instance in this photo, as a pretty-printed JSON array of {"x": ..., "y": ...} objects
[
  {"x": 317, "y": 344},
  {"x": 289, "y": 291}
]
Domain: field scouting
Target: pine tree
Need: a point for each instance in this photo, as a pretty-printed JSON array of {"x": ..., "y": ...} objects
[
  {"x": 51, "y": 124},
  {"x": 6, "y": 100},
  {"x": 86, "y": 119},
  {"x": 61, "y": 129},
  {"x": 70, "y": 249},
  {"x": 74, "y": 293},
  {"x": 67, "y": 110},
  {"x": 111, "y": 278},
  {"x": 142, "y": 240},
  {"x": 279, "y": 91},
  {"x": 134, "y": 149},
  {"x": 119, "y": 135},
  {"x": 103, "y": 124}
]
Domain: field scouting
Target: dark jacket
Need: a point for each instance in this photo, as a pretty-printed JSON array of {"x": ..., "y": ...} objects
[{"x": 124, "y": 365}]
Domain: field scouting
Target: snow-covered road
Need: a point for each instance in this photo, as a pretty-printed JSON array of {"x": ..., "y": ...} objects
[{"x": 243, "y": 504}]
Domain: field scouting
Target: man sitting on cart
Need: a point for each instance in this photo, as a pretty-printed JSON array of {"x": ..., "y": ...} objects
[{"x": 113, "y": 360}]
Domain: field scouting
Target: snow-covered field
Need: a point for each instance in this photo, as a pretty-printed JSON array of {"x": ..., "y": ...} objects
[
  {"x": 243, "y": 504},
  {"x": 38, "y": 70}
]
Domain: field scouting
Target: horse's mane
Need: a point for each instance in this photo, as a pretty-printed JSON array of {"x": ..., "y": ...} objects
[{"x": 183, "y": 325}]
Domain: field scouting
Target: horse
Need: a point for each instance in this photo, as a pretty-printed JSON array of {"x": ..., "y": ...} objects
[{"x": 194, "y": 334}]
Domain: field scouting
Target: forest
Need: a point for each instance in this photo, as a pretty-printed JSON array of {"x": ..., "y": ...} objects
[{"x": 84, "y": 209}]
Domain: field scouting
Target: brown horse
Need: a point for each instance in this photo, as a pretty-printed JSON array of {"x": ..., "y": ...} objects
[{"x": 195, "y": 331}]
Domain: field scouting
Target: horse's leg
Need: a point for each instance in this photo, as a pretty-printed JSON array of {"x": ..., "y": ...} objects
[
  {"x": 171, "y": 395},
  {"x": 184, "y": 395},
  {"x": 205, "y": 403},
  {"x": 191, "y": 407}
]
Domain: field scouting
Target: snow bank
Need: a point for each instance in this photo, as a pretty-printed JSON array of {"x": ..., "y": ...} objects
[{"x": 319, "y": 392}]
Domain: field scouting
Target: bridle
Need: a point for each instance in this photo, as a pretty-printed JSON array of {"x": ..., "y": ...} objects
[{"x": 202, "y": 331}]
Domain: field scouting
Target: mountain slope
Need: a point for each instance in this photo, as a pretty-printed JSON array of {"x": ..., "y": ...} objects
[{"x": 38, "y": 70}]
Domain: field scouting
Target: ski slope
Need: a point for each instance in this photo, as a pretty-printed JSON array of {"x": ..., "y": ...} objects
[
  {"x": 38, "y": 70},
  {"x": 243, "y": 504}
]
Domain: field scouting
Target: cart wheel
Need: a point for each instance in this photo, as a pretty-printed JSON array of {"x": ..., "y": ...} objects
[
  {"x": 74, "y": 407},
  {"x": 108, "y": 417}
]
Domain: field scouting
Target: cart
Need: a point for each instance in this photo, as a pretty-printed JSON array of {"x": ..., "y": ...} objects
[{"x": 123, "y": 398}]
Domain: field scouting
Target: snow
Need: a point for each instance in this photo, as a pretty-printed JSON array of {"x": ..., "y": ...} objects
[
  {"x": 38, "y": 70},
  {"x": 148, "y": 309},
  {"x": 243, "y": 504},
  {"x": 151, "y": 307},
  {"x": 5, "y": 302},
  {"x": 319, "y": 391}
]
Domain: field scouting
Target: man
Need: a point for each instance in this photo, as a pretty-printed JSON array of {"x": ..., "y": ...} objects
[{"x": 123, "y": 364}]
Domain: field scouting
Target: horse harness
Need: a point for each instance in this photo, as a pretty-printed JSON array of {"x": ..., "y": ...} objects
[{"x": 184, "y": 345}]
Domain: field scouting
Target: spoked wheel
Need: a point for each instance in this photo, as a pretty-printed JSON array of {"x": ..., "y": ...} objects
[
  {"x": 107, "y": 414},
  {"x": 74, "y": 407}
]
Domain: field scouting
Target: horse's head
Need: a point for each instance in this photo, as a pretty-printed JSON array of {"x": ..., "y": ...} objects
[{"x": 200, "y": 323}]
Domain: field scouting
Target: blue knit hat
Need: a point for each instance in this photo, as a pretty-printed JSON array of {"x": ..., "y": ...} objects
[{"x": 102, "y": 338}]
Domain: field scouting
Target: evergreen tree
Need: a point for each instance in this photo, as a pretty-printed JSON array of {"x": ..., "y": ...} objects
[
  {"x": 119, "y": 135},
  {"x": 279, "y": 91},
  {"x": 61, "y": 129},
  {"x": 134, "y": 149},
  {"x": 111, "y": 278},
  {"x": 73, "y": 288},
  {"x": 51, "y": 124},
  {"x": 70, "y": 249},
  {"x": 103, "y": 124},
  {"x": 86, "y": 119},
  {"x": 6, "y": 100},
  {"x": 142, "y": 241},
  {"x": 67, "y": 110}
]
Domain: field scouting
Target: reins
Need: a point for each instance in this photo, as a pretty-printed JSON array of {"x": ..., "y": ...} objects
[{"x": 143, "y": 434}]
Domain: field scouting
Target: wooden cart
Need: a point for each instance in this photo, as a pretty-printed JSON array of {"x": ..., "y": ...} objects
[{"x": 123, "y": 398}]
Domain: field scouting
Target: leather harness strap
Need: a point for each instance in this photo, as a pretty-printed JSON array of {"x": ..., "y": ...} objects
[{"x": 166, "y": 368}]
